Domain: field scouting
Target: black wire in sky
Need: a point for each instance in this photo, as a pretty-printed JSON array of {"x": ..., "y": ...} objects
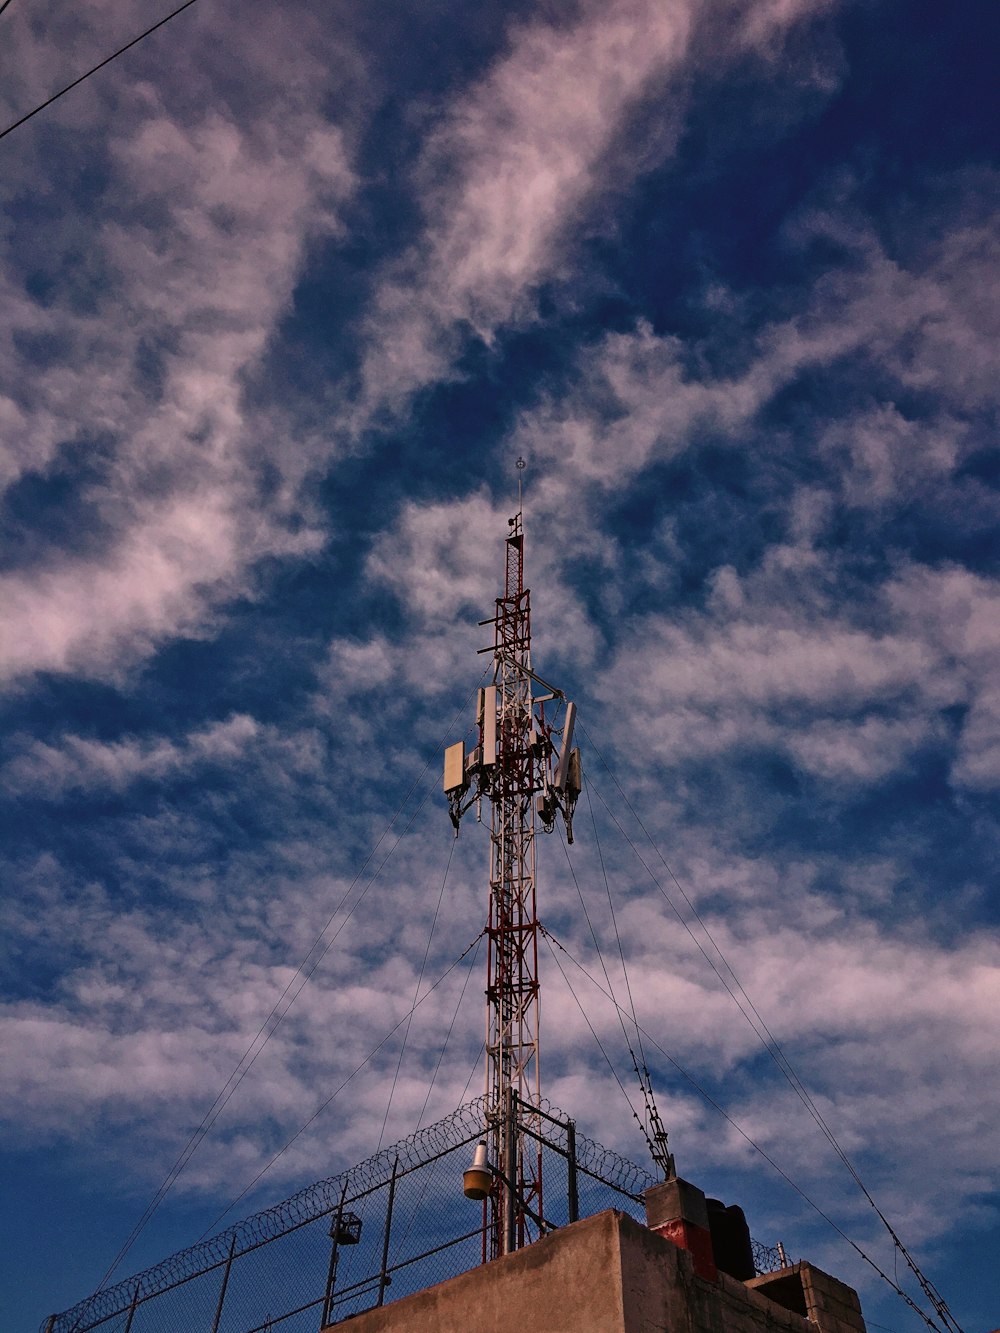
[
  {"x": 340, "y": 1088},
  {"x": 266, "y": 1031},
  {"x": 614, "y": 921},
  {"x": 767, "y": 1039},
  {"x": 593, "y": 1031},
  {"x": 618, "y": 1009},
  {"x": 551, "y": 940},
  {"x": 106, "y": 61},
  {"x": 303, "y": 973},
  {"x": 771, "y": 1046},
  {"x": 426, "y": 1181},
  {"x": 748, "y": 1009},
  {"x": 416, "y": 992}
]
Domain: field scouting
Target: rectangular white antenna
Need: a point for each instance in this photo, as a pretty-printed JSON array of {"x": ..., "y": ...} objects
[
  {"x": 489, "y": 720},
  {"x": 574, "y": 774},
  {"x": 559, "y": 782},
  {"x": 454, "y": 767}
]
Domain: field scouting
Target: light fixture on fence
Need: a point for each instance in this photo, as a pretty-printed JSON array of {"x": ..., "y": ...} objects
[
  {"x": 477, "y": 1181},
  {"x": 345, "y": 1228}
]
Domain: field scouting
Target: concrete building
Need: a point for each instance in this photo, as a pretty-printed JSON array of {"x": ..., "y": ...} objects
[{"x": 610, "y": 1274}]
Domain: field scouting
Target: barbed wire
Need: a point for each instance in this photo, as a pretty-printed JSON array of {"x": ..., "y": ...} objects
[
  {"x": 767, "y": 1258},
  {"x": 463, "y": 1125}
]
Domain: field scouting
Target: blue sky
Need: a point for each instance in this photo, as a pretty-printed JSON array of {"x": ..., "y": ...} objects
[{"x": 286, "y": 291}]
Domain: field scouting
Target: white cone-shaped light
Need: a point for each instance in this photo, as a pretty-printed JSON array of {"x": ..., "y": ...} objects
[{"x": 477, "y": 1181}]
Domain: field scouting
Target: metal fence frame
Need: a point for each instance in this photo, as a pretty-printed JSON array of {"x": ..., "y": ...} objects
[{"x": 115, "y": 1309}]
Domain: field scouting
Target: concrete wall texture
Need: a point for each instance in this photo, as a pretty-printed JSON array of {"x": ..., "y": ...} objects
[{"x": 610, "y": 1274}]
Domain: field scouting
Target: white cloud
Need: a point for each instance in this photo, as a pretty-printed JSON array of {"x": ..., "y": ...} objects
[
  {"x": 765, "y": 21},
  {"x": 154, "y": 1008},
  {"x": 518, "y": 164},
  {"x": 97, "y": 615},
  {"x": 641, "y": 397},
  {"x": 158, "y": 1011},
  {"x": 505, "y": 179},
  {"x": 889, "y": 1062},
  {"x": 441, "y": 560},
  {"x": 959, "y": 612},
  {"x": 78, "y": 763},
  {"x": 195, "y": 243},
  {"x": 978, "y": 761},
  {"x": 882, "y": 455},
  {"x": 862, "y": 752}
]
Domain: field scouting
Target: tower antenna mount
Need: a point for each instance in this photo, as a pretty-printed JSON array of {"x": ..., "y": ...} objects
[{"x": 524, "y": 765}]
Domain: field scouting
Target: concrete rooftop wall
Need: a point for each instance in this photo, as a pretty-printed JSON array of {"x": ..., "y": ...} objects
[{"x": 608, "y": 1274}]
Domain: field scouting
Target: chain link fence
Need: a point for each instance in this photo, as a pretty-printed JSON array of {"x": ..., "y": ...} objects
[{"x": 391, "y": 1225}]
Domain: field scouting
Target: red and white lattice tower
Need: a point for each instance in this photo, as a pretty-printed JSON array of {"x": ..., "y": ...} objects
[{"x": 527, "y": 770}]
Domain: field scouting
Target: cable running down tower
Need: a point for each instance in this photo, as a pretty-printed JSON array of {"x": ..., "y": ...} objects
[{"x": 525, "y": 766}]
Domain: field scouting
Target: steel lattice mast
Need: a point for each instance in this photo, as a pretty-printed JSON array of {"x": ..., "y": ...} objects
[
  {"x": 527, "y": 770},
  {"x": 512, "y": 957}
]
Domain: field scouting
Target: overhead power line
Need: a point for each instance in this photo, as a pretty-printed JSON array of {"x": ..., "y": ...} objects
[
  {"x": 950, "y": 1325},
  {"x": 429, "y": 1175},
  {"x": 300, "y": 979},
  {"x": 266, "y": 1031},
  {"x": 593, "y": 1031},
  {"x": 416, "y": 992},
  {"x": 657, "y": 1134},
  {"x": 340, "y": 1088},
  {"x": 650, "y": 1144},
  {"x": 83, "y": 77},
  {"x": 766, "y": 1037}
]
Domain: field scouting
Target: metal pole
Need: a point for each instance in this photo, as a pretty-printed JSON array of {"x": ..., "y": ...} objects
[
  {"x": 512, "y": 1173},
  {"x": 132, "y": 1309},
  {"x": 383, "y": 1279},
  {"x": 331, "y": 1276},
  {"x": 225, "y": 1284},
  {"x": 574, "y": 1199}
]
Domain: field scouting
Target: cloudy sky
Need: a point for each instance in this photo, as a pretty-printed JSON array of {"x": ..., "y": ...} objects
[{"x": 286, "y": 291}]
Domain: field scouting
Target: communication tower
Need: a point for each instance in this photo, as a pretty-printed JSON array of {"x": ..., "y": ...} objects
[{"x": 525, "y": 766}]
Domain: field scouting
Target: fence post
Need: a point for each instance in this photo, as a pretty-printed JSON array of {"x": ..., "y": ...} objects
[
  {"x": 574, "y": 1200},
  {"x": 225, "y": 1284},
  {"x": 331, "y": 1276},
  {"x": 132, "y": 1308},
  {"x": 383, "y": 1280},
  {"x": 511, "y": 1147}
]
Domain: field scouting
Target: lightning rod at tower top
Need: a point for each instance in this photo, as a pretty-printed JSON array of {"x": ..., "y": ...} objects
[{"x": 525, "y": 766}]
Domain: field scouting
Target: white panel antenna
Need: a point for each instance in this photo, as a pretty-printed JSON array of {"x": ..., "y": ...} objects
[
  {"x": 489, "y": 722},
  {"x": 454, "y": 768},
  {"x": 559, "y": 781}
]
